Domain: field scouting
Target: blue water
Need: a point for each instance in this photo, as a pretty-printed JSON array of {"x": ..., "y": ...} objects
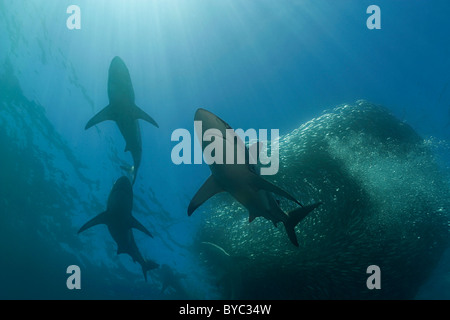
[{"x": 257, "y": 64}]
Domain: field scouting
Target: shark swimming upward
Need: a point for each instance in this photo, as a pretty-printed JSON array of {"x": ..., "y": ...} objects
[
  {"x": 245, "y": 184},
  {"x": 119, "y": 220},
  {"x": 123, "y": 110}
]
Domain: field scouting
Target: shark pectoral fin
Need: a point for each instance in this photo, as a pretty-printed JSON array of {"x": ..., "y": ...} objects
[
  {"x": 206, "y": 191},
  {"x": 106, "y": 113},
  {"x": 100, "y": 219},
  {"x": 256, "y": 147},
  {"x": 131, "y": 171},
  {"x": 137, "y": 225},
  {"x": 128, "y": 169},
  {"x": 138, "y": 113},
  {"x": 259, "y": 183},
  {"x": 297, "y": 215}
]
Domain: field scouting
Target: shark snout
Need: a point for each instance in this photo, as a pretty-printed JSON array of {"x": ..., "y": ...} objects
[{"x": 122, "y": 184}]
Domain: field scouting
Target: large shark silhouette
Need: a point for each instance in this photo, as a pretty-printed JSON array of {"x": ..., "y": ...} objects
[
  {"x": 244, "y": 183},
  {"x": 123, "y": 110},
  {"x": 119, "y": 220}
]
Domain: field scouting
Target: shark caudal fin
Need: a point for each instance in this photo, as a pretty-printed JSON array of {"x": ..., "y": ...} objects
[
  {"x": 147, "y": 266},
  {"x": 294, "y": 218},
  {"x": 100, "y": 219}
]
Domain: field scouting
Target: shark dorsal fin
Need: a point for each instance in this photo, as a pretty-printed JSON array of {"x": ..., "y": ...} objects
[
  {"x": 102, "y": 218},
  {"x": 137, "y": 225},
  {"x": 206, "y": 191},
  {"x": 107, "y": 113},
  {"x": 138, "y": 113},
  {"x": 259, "y": 183}
]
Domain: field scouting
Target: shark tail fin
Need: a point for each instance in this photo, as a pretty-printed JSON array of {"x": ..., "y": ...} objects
[
  {"x": 138, "y": 113},
  {"x": 147, "y": 266},
  {"x": 100, "y": 219},
  {"x": 295, "y": 217}
]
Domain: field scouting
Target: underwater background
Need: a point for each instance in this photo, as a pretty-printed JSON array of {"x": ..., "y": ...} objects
[{"x": 364, "y": 120}]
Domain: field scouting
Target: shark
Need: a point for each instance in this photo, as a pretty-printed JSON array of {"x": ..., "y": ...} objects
[
  {"x": 227, "y": 268},
  {"x": 171, "y": 278},
  {"x": 123, "y": 110},
  {"x": 120, "y": 222},
  {"x": 244, "y": 182}
]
